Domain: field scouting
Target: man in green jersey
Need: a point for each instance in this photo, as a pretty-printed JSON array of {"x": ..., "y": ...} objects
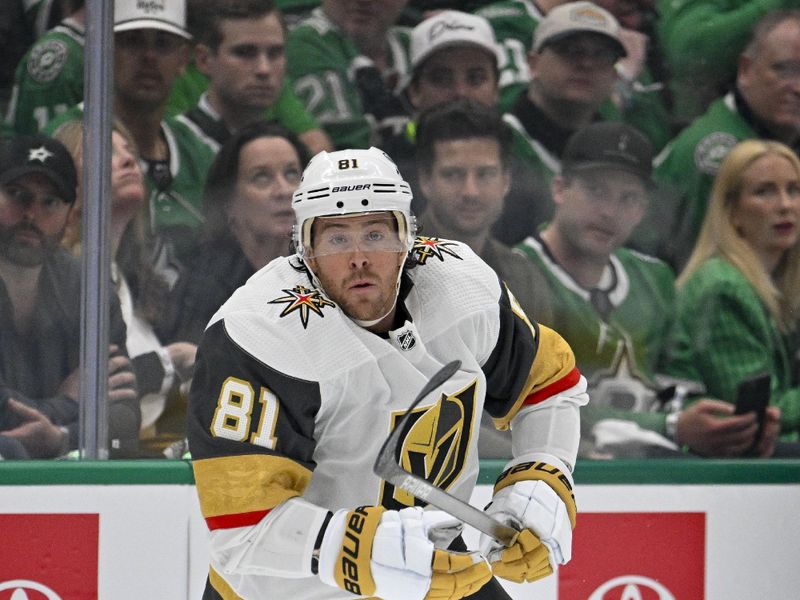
[
  {"x": 702, "y": 40},
  {"x": 614, "y": 306},
  {"x": 151, "y": 50},
  {"x": 346, "y": 63},
  {"x": 240, "y": 48},
  {"x": 49, "y": 78},
  {"x": 765, "y": 103}
]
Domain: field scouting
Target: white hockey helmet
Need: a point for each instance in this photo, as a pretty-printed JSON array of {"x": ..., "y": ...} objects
[{"x": 351, "y": 182}]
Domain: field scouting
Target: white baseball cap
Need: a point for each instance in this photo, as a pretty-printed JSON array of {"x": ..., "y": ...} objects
[
  {"x": 166, "y": 15},
  {"x": 451, "y": 28},
  {"x": 577, "y": 17}
]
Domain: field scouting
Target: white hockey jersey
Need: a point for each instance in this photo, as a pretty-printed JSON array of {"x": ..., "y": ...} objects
[{"x": 291, "y": 397}]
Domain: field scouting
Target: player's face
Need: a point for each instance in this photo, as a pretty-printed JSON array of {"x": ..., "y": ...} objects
[
  {"x": 362, "y": 280},
  {"x": 466, "y": 185},
  {"x": 364, "y": 20},
  {"x": 460, "y": 72},
  {"x": 247, "y": 69},
  {"x": 596, "y": 211},
  {"x": 269, "y": 173},
  {"x": 767, "y": 212},
  {"x": 770, "y": 81},
  {"x": 32, "y": 219},
  {"x": 146, "y": 64},
  {"x": 127, "y": 183},
  {"x": 578, "y": 69}
]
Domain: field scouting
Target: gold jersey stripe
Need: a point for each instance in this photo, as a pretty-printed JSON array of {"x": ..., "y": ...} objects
[
  {"x": 247, "y": 483},
  {"x": 221, "y": 586},
  {"x": 554, "y": 361}
]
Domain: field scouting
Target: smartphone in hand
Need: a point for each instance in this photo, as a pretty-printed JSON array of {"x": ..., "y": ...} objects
[{"x": 752, "y": 395}]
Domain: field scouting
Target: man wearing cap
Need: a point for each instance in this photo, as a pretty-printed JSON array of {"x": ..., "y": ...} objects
[
  {"x": 613, "y": 305},
  {"x": 346, "y": 62},
  {"x": 151, "y": 51},
  {"x": 572, "y": 63},
  {"x": 637, "y": 95},
  {"x": 453, "y": 56},
  {"x": 40, "y": 295},
  {"x": 49, "y": 77}
]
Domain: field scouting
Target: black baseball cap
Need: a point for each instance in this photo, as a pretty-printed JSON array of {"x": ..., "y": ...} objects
[
  {"x": 609, "y": 146},
  {"x": 39, "y": 154}
]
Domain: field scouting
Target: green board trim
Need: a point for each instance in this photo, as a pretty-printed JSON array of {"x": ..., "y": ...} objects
[{"x": 587, "y": 472}]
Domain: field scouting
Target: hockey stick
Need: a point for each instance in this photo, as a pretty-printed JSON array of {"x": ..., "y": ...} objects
[{"x": 386, "y": 467}]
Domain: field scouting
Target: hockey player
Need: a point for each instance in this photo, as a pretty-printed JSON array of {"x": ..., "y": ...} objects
[{"x": 305, "y": 370}]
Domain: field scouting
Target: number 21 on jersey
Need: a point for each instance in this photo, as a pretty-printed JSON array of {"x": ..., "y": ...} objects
[{"x": 233, "y": 415}]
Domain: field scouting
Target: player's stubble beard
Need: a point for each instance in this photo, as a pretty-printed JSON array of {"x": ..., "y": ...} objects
[{"x": 359, "y": 307}]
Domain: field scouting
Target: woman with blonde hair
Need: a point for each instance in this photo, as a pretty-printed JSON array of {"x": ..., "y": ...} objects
[
  {"x": 142, "y": 288},
  {"x": 739, "y": 295}
]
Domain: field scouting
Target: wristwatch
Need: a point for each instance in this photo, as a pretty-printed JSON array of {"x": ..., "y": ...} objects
[{"x": 672, "y": 426}]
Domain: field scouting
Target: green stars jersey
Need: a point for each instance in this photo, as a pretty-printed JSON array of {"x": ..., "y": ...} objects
[
  {"x": 48, "y": 79},
  {"x": 321, "y": 63},
  {"x": 621, "y": 352},
  {"x": 174, "y": 187},
  {"x": 723, "y": 334}
]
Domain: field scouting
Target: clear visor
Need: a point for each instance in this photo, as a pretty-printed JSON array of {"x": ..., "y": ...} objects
[{"x": 364, "y": 233}]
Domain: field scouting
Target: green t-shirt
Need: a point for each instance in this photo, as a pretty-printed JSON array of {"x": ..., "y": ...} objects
[
  {"x": 288, "y": 110},
  {"x": 320, "y": 64},
  {"x": 627, "y": 345},
  {"x": 723, "y": 334},
  {"x": 48, "y": 79}
]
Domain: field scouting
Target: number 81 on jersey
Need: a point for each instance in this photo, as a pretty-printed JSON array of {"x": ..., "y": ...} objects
[{"x": 233, "y": 416}]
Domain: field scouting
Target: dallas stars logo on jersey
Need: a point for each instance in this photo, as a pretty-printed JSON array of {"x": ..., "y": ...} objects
[
  {"x": 426, "y": 247},
  {"x": 303, "y": 300},
  {"x": 435, "y": 445}
]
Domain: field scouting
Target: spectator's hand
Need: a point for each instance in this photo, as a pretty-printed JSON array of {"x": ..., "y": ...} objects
[
  {"x": 71, "y": 387},
  {"x": 182, "y": 355},
  {"x": 710, "y": 428},
  {"x": 121, "y": 379},
  {"x": 35, "y": 432},
  {"x": 772, "y": 429}
]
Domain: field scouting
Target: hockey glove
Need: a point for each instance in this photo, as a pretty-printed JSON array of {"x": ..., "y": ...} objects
[
  {"x": 390, "y": 554},
  {"x": 536, "y": 498}
]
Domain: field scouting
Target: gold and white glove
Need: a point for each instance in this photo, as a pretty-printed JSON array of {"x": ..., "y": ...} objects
[
  {"x": 537, "y": 498},
  {"x": 391, "y": 554}
]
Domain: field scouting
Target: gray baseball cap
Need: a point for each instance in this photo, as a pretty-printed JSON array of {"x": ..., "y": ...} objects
[{"x": 577, "y": 17}]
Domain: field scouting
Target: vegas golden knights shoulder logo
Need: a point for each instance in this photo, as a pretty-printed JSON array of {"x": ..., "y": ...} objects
[{"x": 435, "y": 445}]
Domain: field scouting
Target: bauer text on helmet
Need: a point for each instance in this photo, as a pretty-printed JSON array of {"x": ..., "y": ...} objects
[{"x": 352, "y": 182}]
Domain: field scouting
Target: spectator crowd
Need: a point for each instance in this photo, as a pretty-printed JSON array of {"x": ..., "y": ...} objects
[{"x": 628, "y": 168}]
